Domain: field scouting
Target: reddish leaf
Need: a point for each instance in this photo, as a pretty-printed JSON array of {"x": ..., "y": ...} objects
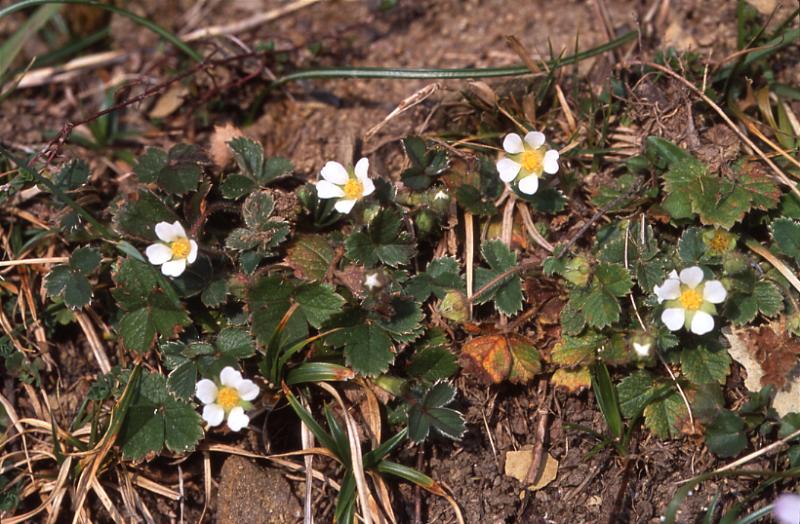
[{"x": 495, "y": 358}]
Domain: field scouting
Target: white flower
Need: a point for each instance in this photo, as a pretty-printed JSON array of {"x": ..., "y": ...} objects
[
  {"x": 441, "y": 195},
  {"x": 525, "y": 161},
  {"x": 786, "y": 508},
  {"x": 175, "y": 250},
  {"x": 348, "y": 186},
  {"x": 231, "y": 397},
  {"x": 372, "y": 281},
  {"x": 689, "y": 300},
  {"x": 643, "y": 350}
]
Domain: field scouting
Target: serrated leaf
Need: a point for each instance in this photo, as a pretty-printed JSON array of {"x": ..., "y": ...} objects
[
  {"x": 257, "y": 209},
  {"x": 634, "y": 392},
  {"x": 73, "y": 175},
  {"x": 496, "y": 358},
  {"x": 663, "y": 415},
  {"x": 70, "y": 285},
  {"x": 441, "y": 276},
  {"x": 471, "y": 199},
  {"x": 577, "y": 351},
  {"x": 236, "y": 186},
  {"x": 368, "y": 349},
  {"x": 703, "y": 366},
  {"x": 249, "y": 156},
  {"x": 318, "y": 302},
  {"x": 601, "y": 308},
  {"x": 726, "y": 435},
  {"x": 182, "y": 380},
  {"x": 690, "y": 246},
  {"x": 506, "y": 292},
  {"x": 405, "y": 322},
  {"x": 274, "y": 168},
  {"x": 786, "y": 235},
  {"x": 138, "y": 215},
  {"x": 215, "y": 293},
  {"x": 768, "y": 297},
  {"x": 573, "y": 314},
  {"x": 158, "y": 316},
  {"x": 572, "y": 379},
  {"x": 429, "y": 413},
  {"x": 310, "y": 256},
  {"x": 149, "y": 165},
  {"x": 383, "y": 241},
  {"x": 235, "y": 343},
  {"x": 433, "y": 363},
  {"x": 85, "y": 260},
  {"x": 177, "y": 172}
]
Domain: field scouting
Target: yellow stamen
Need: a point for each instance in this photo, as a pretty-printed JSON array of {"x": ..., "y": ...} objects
[
  {"x": 353, "y": 189},
  {"x": 719, "y": 242},
  {"x": 228, "y": 398},
  {"x": 691, "y": 299},
  {"x": 180, "y": 248},
  {"x": 532, "y": 161}
]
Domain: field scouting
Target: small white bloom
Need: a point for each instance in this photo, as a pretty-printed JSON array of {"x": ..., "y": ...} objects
[
  {"x": 372, "y": 281},
  {"x": 525, "y": 161},
  {"x": 643, "y": 350},
  {"x": 690, "y": 302},
  {"x": 175, "y": 250},
  {"x": 347, "y": 186},
  {"x": 231, "y": 396},
  {"x": 441, "y": 195},
  {"x": 786, "y": 508}
]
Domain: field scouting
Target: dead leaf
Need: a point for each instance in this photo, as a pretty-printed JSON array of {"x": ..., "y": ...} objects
[
  {"x": 572, "y": 379},
  {"x": 169, "y": 102},
  {"x": 496, "y": 358},
  {"x": 765, "y": 7},
  {"x": 519, "y": 462}
]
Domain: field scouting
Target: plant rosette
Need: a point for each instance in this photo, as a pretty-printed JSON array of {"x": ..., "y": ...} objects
[
  {"x": 175, "y": 251},
  {"x": 347, "y": 186},
  {"x": 689, "y": 302},
  {"x": 525, "y": 160},
  {"x": 228, "y": 398}
]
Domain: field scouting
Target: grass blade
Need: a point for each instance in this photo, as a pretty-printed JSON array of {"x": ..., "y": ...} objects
[{"x": 11, "y": 47}]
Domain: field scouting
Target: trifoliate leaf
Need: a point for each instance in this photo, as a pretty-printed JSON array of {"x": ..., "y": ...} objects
[
  {"x": 257, "y": 209},
  {"x": 236, "y": 186},
  {"x": 505, "y": 292},
  {"x": 318, "y": 302},
  {"x": 495, "y": 358},
  {"x": 70, "y": 285},
  {"x": 384, "y": 240},
  {"x": 425, "y": 164},
  {"x": 471, "y": 199},
  {"x": 702, "y": 365},
  {"x": 159, "y": 316},
  {"x": 178, "y": 171},
  {"x": 84, "y": 260},
  {"x": 786, "y": 235},
  {"x": 726, "y": 436},
  {"x": 743, "y": 306},
  {"x": 310, "y": 256},
  {"x": 429, "y": 412},
  {"x": 441, "y": 276},
  {"x": 139, "y": 214},
  {"x": 368, "y": 349},
  {"x": 600, "y": 304},
  {"x": 432, "y": 359},
  {"x": 235, "y": 343}
]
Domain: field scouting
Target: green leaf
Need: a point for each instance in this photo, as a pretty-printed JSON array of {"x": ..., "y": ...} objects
[
  {"x": 236, "y": 186},
  {"x": 429, "y": 413},
  {"x": 663, "y": 415},
  {"x": 182, "y": 380},
  {"x": 441, "y": 276},
  {"x": 137, "y": 331},
  {"x": 768, "y": 298},
  {"x": 384, "y": 241},
  {"x": 310, "y": 256},
  {"x": 432, "y": 363},
  {"x": 274, "y": 168},
  {"x": 577, "y": 351},
  {"x": 425, "y": 164},
  {"x": 470, "y": 198},
  {"x": 178, "y": 171},
  {"x": 600, "y": 304},
  {"x": 612, "y": 278},
  {"x": 506, "y": 292},
  {"x": 72, "y": 176},
  {"x": 702, "y": 365},
  {"x": 85, "y": 260},
  {"x": 215, "y": 293},
  {"x": 786, "y": 235},
  {"x": 634, "y": 392},
  {"x": 726, "y": 436},
  {"x": 257, "y": 209},
  {"x": 249, "y": 156},
  {"x": 691, "y": 247},
  {"x": 138, "y": 216},
  {"x": 73, "y": 287},
  {"x": 368, "y": 349},
  {"x": 236, "y": 343},
  {"x": 318, "y": 302}
]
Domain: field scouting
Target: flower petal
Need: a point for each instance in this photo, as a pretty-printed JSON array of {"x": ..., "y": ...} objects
[
  {"x": 691, "y": 276},
  {"x": 174, "y": 268},
  {"x": 643, "y": 350},
  {"x": 206, "y": 391},
  {"x": 177, "y": 228},
  {"x": 213, "y": 414},
  {"x": 534, "y": 139},
  {"x": 786, "y": 508},
  {"x": 327, "y": 189},
  {"x": 362, "y": 169},
  {"x": 714, "y": 292},
  {"x": 230, "y": 377},
  {"x": 192, "y": 252},
  {"x": 669, "y": 290},
  {"x": 157, "y": 254},
  {"x": 368, "y": 187},
  {"x": 673, "y": 274},
  {"x": 165, "y": 232},
  {"x": 508, "y": 169},
  {"x": 702, "y": 323},
  {"x": 551, "y": 162},
  {"x": 237, "y": 419},
  {"x": 344, "y": 206},
  {"x": 335, "y": 172},
  {"x": 512, "y": 143},
  {"x": 673, "y": 318},
  {"x": 529, "y": 185},
  {"x": 247, "y": 390}
]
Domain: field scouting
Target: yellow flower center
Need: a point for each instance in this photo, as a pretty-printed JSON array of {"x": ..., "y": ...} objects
[
  {"x": 228, "y": 398},
  {"x": 353, "y": 189},
  {"x": 691, "y": 299},
  {"x": 719, "y": 242},
  {"x": 532, "y": 160},
  {"x": 180, "y": 248}
]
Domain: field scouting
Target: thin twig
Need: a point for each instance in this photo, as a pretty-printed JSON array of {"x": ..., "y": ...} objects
[{"x": 541, "y": 431}]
